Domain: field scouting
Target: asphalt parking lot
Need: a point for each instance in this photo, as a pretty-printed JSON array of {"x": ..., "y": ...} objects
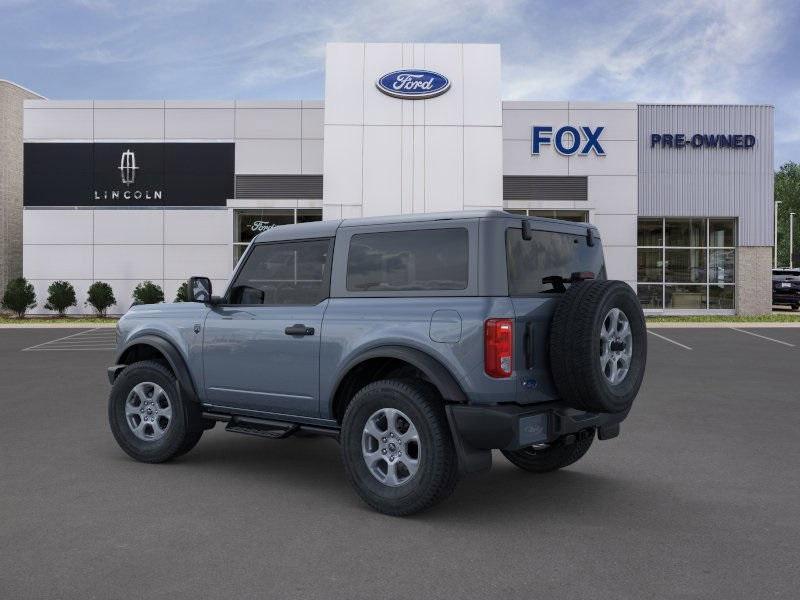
[{"x": 698, "y": 497}]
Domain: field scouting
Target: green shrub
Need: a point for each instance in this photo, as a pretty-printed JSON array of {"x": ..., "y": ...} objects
[
  {"x": 183, "y": 293},
  {"x": 101, "y": 297},
  {"x": 60, "y": 296},
  {"x": 19, "y": 296},
  {"x": 148, "y": 292}
]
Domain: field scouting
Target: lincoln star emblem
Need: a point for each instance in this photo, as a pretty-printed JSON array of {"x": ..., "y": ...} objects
[{"x": 127, "y": 167}]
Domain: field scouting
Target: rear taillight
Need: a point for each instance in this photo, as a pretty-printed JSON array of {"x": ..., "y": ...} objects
[{"x": 498, "y": 344}]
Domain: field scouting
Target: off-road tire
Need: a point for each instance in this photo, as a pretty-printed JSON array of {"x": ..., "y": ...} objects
[
  {"x": 575, "y": 343},
  {"x": 557, "y": 456},
  {"x": 437, "y": 473},
  {"x": 186, "y": 425}
]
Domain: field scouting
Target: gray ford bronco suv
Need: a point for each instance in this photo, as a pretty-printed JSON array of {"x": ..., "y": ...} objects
[{"x": 421, "y": 343}]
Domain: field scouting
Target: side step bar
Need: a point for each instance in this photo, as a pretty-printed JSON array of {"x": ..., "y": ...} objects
[
  {"x": 267, "y": 427},
  {"x": 270, "y": 429}
]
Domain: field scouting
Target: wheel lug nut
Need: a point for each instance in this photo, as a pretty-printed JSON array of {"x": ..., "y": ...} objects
[
  {"x": 383, "y": 439},
  {"x": 383, "y": 451}
]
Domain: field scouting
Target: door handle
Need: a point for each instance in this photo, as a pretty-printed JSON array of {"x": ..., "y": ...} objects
[{"x": 298, "y": 329}]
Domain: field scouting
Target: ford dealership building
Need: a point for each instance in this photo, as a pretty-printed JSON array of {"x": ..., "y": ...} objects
[{"x": 125, "y": 191}]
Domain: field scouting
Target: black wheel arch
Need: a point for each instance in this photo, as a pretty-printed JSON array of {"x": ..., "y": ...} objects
[
  {"x": 154, "y": 347},
  {"x": 433, "y": 370}
]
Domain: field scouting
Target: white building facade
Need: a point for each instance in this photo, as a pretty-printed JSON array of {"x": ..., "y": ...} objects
[{"x": 124, "y": 192}]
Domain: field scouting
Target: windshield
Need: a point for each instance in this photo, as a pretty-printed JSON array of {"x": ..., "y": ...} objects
[{"x": 550, "y": 262}]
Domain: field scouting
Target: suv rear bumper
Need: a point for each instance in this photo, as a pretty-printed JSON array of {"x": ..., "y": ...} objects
[
  {"x": 511, "y": 427},
  {"x": 785, "y": 297}
]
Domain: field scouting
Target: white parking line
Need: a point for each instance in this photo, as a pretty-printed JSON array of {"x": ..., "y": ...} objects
[
  {"x": 666, "y": 339},
  {"x": 763, "y": 337},
  {"x": 93, "y": 348},
  {"x": 91, "y": 339},
  {"x": 70, "y": 344},
  {"x": 58, "y": 349},
  {"x": 58, "y": 340}
]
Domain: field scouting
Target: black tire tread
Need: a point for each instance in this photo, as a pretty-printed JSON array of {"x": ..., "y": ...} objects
[
  {"x": 573, "y": 359},
  {"x": 551, "y": 459},
  {"x": 176, "y": 445},
  {"x": 584, "y": 362},
  {"x": 563, "y": 318},
  {"x": 445, "y": 476}
]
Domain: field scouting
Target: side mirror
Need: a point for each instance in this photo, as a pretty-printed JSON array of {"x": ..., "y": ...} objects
[
  {"x": 244, "y": 294},
  {"x": 199, "y": 289}
]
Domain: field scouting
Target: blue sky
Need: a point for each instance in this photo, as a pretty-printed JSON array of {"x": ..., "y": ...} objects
[{"x": 667, "y": 50}]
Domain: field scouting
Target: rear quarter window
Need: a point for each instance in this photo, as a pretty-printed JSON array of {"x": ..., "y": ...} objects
[
  {"x": 403, "y": 261},
  {"x": 545, "y": 263}
]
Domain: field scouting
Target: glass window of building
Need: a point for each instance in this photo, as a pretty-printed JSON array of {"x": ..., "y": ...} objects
[
  {"x": 249, "y": 223},
  {"x": 651, "y": 232},
  {"x": 579, "y": 216},
  {"x": 686, "y": 264}
]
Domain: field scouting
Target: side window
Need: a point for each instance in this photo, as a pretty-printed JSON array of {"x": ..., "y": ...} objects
[
  {"x": 399, "y": 261},
  {"x": 284, "y": 273}
]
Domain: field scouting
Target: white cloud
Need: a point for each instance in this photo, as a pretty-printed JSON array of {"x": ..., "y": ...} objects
[
  {"x": 665, "y": 50},
  {"x": 679, "y": 50}
]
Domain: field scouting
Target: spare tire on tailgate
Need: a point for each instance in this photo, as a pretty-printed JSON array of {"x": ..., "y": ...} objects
[{"x": 598, "y": 346}]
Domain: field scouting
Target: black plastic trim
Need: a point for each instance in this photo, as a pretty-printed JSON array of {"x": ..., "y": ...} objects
[
  {"x": 489, "y": 427},
  {"x": 470, "y": 459},
  {"x": 113, "y": 372},
  {"x": 289, "y": 425},
  {"x": 174, "y": 358},
  {"x": 438, "y": 375}
]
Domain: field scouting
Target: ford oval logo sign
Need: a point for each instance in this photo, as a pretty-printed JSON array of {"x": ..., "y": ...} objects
[{"x": 413, "y": 84}]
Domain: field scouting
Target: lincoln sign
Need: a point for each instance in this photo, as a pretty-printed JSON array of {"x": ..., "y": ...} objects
[{"x": 137, "y": 174}]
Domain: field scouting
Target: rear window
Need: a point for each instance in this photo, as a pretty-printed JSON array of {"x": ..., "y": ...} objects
[
  {"x": 545, "y": 263},
  {"x": 400, "y": 261}
]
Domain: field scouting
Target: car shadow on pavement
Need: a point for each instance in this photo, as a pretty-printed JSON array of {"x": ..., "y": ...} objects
[
  {"x": 293, "y": 463},
  {"x": 314, "y": 466}
]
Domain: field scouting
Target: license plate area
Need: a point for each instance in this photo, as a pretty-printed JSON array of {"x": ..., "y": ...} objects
[{"x": 534, "y": 429}]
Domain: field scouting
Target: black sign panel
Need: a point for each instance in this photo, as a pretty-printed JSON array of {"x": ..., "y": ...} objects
[
  {"x": 128, "y": 174},
  {"x": 58, "y": 174}
]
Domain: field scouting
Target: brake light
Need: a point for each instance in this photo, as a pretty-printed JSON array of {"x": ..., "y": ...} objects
[{"x": 498, "y": 343}]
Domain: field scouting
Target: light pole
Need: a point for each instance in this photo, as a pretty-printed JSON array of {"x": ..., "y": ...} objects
[
  {"x": 791, "y": 237},
  {"x": 777, "y": 202}
]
